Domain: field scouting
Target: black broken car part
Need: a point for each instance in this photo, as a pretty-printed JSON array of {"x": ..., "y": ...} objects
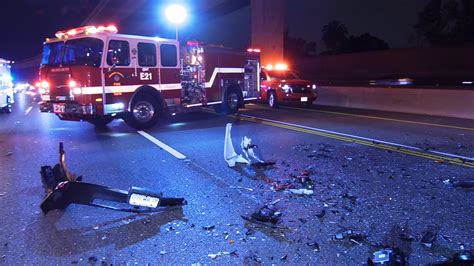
[{"x": 64, "y": 188}]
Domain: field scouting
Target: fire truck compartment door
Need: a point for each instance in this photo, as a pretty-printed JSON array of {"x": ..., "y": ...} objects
[{"x": 251, "y": 79}]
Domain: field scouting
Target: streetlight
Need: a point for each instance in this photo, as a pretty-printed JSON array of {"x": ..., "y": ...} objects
[{"x": 176, "y": 14}]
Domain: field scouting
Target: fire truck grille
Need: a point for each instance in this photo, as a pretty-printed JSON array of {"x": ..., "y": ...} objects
[{"x": 299, "y": 89}]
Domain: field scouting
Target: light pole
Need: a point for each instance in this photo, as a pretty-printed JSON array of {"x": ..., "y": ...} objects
[{"x": 176, "y": 14}]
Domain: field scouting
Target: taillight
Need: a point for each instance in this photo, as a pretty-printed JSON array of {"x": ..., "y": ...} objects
[
  {"x": 43, "y": 87},
  {"x": 44, "y": 84}
]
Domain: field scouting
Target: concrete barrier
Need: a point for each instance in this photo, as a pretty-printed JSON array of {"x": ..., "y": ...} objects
[{"x": 438, "y": 102}]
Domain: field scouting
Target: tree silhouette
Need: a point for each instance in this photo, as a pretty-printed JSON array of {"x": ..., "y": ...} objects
[
  {"x": 298, "y": 47},
  {"x": 363, "y": 43},
  {"x": 446, "y": 22},
  {"x": 334, "y": 35}
]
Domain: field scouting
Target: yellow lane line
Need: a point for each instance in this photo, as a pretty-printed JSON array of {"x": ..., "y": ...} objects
[
  {"x": 382, "y": 118},
  {"x": 437, "y": 158}
]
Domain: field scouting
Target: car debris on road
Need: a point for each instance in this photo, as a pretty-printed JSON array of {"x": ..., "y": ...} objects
[
  {"x": 387, "y": 256},
  {"x": 64, "y": 188},
  {"x": 230, "y": 156},
  {"x": 249, "y": 158}
]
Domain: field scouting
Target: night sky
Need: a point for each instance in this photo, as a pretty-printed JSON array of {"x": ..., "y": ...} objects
[{"x": 26, "y": 23}]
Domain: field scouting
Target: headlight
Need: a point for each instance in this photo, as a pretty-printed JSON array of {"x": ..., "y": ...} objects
[{"x": 286, "y": 89}]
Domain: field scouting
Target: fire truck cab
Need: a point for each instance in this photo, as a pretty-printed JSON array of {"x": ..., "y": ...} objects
[
  {"x": 95, "y": 74},
  {"x": 6, "y": 86}
]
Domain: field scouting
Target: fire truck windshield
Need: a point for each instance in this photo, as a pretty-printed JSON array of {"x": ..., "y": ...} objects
[{"x": 77, "y": 52}]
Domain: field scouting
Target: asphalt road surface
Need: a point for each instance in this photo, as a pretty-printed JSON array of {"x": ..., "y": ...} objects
[{"x": 386, "y": 176}]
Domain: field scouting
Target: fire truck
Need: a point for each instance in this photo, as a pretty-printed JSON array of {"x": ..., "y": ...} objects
[
  {"x": 96, "y": 75},
  {"x": 6, "y": 86}
]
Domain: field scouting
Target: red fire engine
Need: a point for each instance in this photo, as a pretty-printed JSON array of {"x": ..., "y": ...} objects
[{"x": 94, "y": 74}]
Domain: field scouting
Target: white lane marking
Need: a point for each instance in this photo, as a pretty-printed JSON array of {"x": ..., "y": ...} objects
[
  {"x": 359, "y": 137},
  {"x": 160, "y": 144},
  {"x": 452, "y": 155},
  {"x": 28, "y": 110}
]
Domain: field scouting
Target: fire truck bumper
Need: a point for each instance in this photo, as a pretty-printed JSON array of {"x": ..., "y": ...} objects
[{"x": 68, "y": 108}]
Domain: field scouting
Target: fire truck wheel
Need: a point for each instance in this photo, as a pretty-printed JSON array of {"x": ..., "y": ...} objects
[
  {"x": 272, "y": 100},
  {"x": 231, "y": 103},
  {"x": 100, "y": 121},
  {"x": 7, "y": 109},
  {"x": 145, "y": 112}
]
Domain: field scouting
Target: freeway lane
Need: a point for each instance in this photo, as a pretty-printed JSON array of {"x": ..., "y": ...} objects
[
  {"x": 359, "y": 187},
  {"x": 428, "y": 133}
]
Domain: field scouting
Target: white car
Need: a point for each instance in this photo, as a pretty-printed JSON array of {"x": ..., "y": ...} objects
[{"x": 6, "y": 86}]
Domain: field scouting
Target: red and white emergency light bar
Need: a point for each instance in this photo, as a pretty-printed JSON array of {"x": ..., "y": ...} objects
[
  {"x": 253, "y": 50},
  {"x": 86, "y": 30},
  {"x": 278, "y": 67}
]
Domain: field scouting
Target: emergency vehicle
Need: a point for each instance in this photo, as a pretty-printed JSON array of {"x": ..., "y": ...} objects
[
  {"x": 95, "y": 74},
  {"x": 282, "y": 85},
  {"x": 6, "y": 86}
]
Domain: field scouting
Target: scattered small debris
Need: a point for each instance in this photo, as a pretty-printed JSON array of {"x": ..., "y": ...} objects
[
  {"x": 209, "y": 227},
  {"x": 302, "y": 191},
  {"x": 303, "y": 147},
  {"x": 267, "y": 214},
  {"x": 283, "y": 258},
  {"x": 251, "y": 259},
  {"x": 244, "y": 188},
  {"x": 428, "y": 237},
  {"x": 314, "y": 246},
  {"x": 464, "y": 258},
  {"x": 263, "y": 164},
  {"x": 92, "y": 260},
  {"x": 350, "y": 197},
  {"x": 321, "y": 213},
  {"x": 387, "y": 256},
  {"x": 163, "y": 252},
  {"x": 353, "y": 236},
  {"x": 214, "y": 256},
  {"x": 9, "y": 153}
]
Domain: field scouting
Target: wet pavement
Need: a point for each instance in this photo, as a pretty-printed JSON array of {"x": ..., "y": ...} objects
[{"x": 377, "y": 180}]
